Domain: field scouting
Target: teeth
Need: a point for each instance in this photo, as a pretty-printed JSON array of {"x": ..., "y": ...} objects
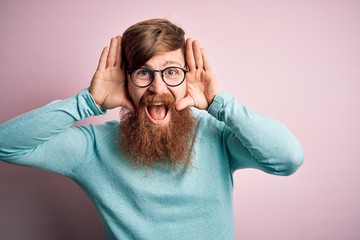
[{"x": 157, "y": 104}]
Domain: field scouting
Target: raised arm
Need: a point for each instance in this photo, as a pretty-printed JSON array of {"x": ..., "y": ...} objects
[
  {"x": 45, "y": 138},
  {"x": 252, "y": 139}
]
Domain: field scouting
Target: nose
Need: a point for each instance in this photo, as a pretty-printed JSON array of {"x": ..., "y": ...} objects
[{"x": 158, "y": 85}]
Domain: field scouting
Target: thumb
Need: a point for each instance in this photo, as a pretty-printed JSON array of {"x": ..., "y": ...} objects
[{"x": 185, "y": 102}]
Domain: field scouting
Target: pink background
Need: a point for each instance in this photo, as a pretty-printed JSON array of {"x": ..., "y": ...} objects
[{"x": 297, "y": 61}]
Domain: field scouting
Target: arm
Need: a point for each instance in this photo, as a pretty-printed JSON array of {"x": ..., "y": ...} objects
[
  {"x": 44, "y": 138},
  {"x": 252, "y": 140}
]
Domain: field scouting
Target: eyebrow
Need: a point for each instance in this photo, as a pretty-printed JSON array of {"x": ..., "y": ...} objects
[{"x": 170, "y": 62}]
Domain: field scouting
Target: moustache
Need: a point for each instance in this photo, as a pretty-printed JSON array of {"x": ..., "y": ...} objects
[{"x": 165, "y": 99}]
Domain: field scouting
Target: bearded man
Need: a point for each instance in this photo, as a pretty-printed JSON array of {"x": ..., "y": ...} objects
[{"x": 165, "y": 171}]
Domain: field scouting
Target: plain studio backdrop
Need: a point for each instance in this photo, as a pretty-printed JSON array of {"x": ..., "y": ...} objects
[{"x": 296, "y": 61}]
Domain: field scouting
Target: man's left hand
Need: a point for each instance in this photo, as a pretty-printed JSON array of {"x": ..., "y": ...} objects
[{"x": 201, "y": 81}]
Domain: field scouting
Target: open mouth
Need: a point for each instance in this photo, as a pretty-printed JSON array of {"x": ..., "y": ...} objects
[{"x": 158, "y": 113}]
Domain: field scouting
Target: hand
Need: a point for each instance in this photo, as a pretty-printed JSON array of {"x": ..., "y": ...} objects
[
  {"x": 108, "y": 85},
  {"x": 201, "y": 81}
]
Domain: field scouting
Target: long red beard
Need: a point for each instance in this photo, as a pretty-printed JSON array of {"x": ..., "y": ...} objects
[{"x": 145, "y": 144}]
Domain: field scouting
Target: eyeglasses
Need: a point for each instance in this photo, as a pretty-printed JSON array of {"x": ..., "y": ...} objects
[{"x": 143, "y": 77}]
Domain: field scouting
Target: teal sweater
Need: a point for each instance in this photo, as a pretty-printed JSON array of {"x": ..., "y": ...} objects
[{"x": 159, "y": 204}]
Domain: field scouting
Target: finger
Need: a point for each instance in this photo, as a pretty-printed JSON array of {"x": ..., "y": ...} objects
[
  {"x": 103, "y": 57},
  {"x": 197, "y": 54},
  {"x": 112, "y": 53},
  {"x": 206, "y": 61},
  {"x": 190, "y": 61},
  {"x": 185, "y": 102},
  {"x": 118, "y": 51}
]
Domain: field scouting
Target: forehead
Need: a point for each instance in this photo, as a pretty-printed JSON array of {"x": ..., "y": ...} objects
[{"x": 176, "y": 58}]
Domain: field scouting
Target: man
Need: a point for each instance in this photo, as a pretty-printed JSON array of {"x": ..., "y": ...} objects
[{"x": 166, "y": 170}]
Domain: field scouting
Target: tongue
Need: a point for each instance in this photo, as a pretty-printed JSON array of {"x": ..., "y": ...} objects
[{"x": 157, "y": 112}]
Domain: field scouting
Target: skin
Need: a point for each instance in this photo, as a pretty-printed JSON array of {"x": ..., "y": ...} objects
[{"x": 108, "y": 85}]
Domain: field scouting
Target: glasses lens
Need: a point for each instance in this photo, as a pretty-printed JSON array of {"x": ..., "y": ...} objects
[
  {"x": 142, "y": 77},
  {"x": 173, "y": 76}
]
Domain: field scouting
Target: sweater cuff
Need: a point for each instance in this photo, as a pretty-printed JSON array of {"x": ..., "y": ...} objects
[
  {"x": 218, "y": 103},
  {"x": 90, "y": 102}
]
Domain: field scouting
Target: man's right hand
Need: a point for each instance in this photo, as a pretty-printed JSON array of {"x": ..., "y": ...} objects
[{"x": 108, "y": 85}]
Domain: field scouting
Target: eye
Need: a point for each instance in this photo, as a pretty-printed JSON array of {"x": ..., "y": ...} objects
[
  {"x": 170, "y": 72},
  {"x": 143, "y": 73}
]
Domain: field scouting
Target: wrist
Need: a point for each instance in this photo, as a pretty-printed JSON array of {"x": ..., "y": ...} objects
[
  {"x": 95, "y": 105},
  {"x": 211, "y": 96}
]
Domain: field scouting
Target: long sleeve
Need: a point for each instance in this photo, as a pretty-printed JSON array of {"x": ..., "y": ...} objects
[
  {"x": 45, "y": 138},
  {"x": 254, "y": 140}
]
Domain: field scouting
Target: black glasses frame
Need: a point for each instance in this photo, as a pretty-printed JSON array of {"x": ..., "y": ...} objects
[{"x": 153, "y": 72}]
